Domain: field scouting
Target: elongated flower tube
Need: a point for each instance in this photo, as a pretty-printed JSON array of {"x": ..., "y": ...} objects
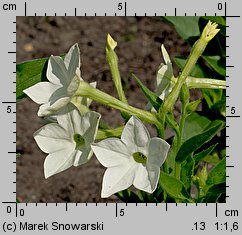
[{"x": 85, "y": 90}]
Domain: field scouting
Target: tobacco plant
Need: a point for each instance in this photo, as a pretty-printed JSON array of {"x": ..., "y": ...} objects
[{"x": 188, "y": 167}]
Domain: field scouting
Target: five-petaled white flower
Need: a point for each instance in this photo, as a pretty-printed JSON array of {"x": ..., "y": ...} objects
[
  {"x": 134, "y": 159},
  {"x": 67, "y": 142},
  {"x": 64, "y": 79}
]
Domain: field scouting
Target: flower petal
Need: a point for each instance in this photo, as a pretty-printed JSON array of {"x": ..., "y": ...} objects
[
  {"x": 53, "y": 108},
  {"x": 41, "y": 92},
  {"x": 83, "y": 156},
  {"x": 88, "y": 126},
  {"x": 165, "y": 54},
  {"x": 117, "y": 178},
  {"x": 66, "y": 119},
  {"x": 72, "y": 60},
  {"x": 158, "y": 150},
  {"x": 51, "y": 138},
  {"x": 146, "y": 179},
  {"x": 73, "y": 86},
  {"x": 141, "y": 180},
  {"x": 58, "y": 161},
  {"x": 112, "y": 152},
  {"x": 135, "y": 135},
  {"x": 57, "y": 72}
]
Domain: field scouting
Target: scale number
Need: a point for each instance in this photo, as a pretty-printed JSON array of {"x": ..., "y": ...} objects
[
  {"x": 220, "y": 6},
  {"x": 18, "y": 213},
  {"x": 9, "y": 109},
  {"x": 120, "y": 6},
  {"x": 232, "y": 110},
  {"x": 199, "y": 226}
]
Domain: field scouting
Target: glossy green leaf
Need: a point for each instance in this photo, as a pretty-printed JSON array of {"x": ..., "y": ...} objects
[
  {"x": 199, "y": 156},
  {"x": 191, "y": 107},
  {"x": 197, "y": 141},
  {"x": 213, "y": 193},
  {"x": 151, "y": 96},
  {"x": 194, "y": 125},
  {"x": 212, "y": 96},
  {"x": 174, "y": 187},
  {"x": 218, "y": 174},
  {"x": 197, "y": 71},
  {"x": 218, "y": 19},
  {"x": 29, "y": 73},
  {"x": 216, "y": 63},
  {"x": 186, "y": 26}
]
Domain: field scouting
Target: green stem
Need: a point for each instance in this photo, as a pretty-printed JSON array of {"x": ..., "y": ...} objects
[
  {"x": 184, "y": 97},
  {"x": 106, "y": 133},
  {"x": 209, "y": 83},
  {"x": 208, "y": 33},
  {"x": 85, "y": 90}
]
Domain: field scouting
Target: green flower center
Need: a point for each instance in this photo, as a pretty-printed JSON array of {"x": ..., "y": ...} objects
[
  {"x": 140, "y": 157},
  {"x": 79, "y": 140}
]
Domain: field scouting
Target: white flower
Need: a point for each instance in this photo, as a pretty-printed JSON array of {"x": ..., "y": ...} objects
[
  {"x": 164, "y": 76},
  {"x": 134, "y": 159},
  {"x": 67, "y": 142},
  {"x": 64, "y": 79}
]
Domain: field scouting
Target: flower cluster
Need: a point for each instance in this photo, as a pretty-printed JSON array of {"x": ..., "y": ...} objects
[{"x": 134, "y": 159}]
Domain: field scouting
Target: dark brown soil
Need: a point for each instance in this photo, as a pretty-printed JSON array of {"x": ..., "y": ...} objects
[{"x": 139, "y": 40}]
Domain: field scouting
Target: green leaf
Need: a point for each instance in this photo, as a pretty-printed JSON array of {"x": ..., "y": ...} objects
[
  {"x": 174, "y": 187},
  {"x": 212, "y": 159},
  {"x": 146, "y": 197},
  {"x": 199, "y": 156},
  {"x": 218, "y": 174},
  {"x": 218, "y": 19},
  {"x": 191, "y": 107},
  {"x": 216, "y": 63},
  {"x": 170, "y": 160},
  {"x": 128, "y": 196},
  {"x": 28, "y": 74},
  {"x": 197, "y": 141},
  {"x": 212, "y": 96},
  {"x": 213, "y": 193},
  {"x": 151, "y": 96},
  {"x": 202, "y": 177},
  {"x": 186, "y": 26},
  {"x": 171, "y": 120},
  {"x": 197, "y": 71},
  {"x": 194, "y": 125},
  {"x": 187, "y": 171}
]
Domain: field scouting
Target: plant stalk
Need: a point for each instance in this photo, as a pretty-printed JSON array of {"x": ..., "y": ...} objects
[
  {"x": 208, "y": 33},
  {"x": 85, "y": 90}
]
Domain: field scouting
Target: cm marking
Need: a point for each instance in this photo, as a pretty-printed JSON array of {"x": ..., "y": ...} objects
[
  {"x": 231, "y": 213},
  {"x": 9, "y": 7}
]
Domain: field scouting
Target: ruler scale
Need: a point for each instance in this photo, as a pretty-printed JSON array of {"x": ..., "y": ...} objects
[{"x": 113, "y": 218}]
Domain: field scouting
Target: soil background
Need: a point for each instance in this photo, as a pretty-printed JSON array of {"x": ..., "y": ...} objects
[{"x": 139, "y": 40}]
